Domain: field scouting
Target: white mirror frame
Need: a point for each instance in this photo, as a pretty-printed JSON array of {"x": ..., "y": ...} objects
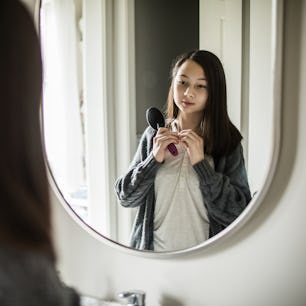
[{"x": 277, "y": 36}]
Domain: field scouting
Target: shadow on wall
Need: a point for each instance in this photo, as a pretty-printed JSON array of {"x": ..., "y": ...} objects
[{"x": 168, "y": 300}]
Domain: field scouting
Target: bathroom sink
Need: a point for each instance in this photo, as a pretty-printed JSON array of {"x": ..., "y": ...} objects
[{"x": 91, "y": 301}]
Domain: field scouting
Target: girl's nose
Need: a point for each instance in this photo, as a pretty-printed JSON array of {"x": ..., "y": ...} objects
[{"x": 189, "y": 92}]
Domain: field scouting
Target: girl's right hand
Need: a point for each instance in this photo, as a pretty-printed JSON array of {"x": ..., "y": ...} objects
[{"x": 161, "y": 141}]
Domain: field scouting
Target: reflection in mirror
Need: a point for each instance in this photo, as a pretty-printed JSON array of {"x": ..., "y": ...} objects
[
  {"x": 188, "y": 178},
  {"x": 102, "y": 71}
]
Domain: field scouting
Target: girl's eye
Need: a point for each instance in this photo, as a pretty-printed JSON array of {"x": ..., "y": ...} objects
[
  {"x": 201, "y": 86},
  {"x": 181, "y": 82}
]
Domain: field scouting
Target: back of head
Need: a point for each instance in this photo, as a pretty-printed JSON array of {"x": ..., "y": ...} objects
[{"x": 25, "y": 209}]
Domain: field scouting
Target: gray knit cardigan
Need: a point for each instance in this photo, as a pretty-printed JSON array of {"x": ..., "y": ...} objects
[{"x": 225, "y": 190}]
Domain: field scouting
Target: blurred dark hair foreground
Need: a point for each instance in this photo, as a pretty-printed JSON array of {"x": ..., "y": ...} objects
[{"x": 25, "y": 218}]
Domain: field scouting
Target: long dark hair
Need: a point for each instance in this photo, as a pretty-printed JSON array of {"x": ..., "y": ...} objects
[
  {"x": 25, "y": 217},
  {"x": 219, "y": 133}
]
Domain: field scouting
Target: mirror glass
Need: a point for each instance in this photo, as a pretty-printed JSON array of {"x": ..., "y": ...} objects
[{"x": 106, "y": 62}]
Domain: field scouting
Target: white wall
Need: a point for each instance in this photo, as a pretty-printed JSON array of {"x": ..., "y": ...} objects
[
  {"x": 260, "y": 108},
  {"x": 221, "y": 33},
  {"x": 264, "y": 264}
]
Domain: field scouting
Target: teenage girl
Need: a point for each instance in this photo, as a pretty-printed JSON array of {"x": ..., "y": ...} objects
[{"x": 183, "y": 200}]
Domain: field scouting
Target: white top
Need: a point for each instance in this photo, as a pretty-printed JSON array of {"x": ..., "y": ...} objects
[{"x": 180, "y": 219}]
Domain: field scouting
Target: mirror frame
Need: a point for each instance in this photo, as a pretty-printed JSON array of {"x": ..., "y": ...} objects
[{"x": 237, "y": 224}]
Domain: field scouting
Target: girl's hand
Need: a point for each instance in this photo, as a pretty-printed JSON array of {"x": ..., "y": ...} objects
[
  {"x": 161, "y": 141},
  {"x": 194, "y": 145}
]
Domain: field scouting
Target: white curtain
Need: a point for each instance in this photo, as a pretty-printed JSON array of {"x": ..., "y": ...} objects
[{"x": 62, "y": 94}]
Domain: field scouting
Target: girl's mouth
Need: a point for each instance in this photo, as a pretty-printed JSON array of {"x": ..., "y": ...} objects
[{"x": 187, "y": 103}]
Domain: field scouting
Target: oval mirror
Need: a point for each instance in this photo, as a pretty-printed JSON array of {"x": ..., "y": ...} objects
[{"x": 106, "y": 62}]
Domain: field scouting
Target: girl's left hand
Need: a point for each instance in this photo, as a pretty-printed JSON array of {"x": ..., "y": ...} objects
[{"x": 194, "y": 145}]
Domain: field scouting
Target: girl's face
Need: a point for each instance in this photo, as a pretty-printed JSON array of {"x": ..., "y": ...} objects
[{"x": 190, "y": 88}]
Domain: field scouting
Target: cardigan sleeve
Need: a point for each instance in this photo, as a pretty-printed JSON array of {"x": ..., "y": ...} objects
[
  {"x": 132, "y": 187},
  {"x": 225, "y": 190}
]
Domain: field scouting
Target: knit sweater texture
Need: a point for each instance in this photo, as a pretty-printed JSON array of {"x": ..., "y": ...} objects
[{"x": 225, "y": 190}]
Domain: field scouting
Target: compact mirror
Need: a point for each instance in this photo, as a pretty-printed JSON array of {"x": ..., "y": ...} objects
[{"x": 106, "y": 62}]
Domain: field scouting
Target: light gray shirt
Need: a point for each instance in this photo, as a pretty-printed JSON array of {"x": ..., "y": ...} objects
[{"x": 180, "y": 219}]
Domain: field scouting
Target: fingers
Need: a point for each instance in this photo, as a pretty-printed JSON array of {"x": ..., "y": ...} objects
[
  {"x": 162, "y": 130},
  {"x": 194, "y": 145},
  {"x": 160, "y": 142},
  {"x": 165, "y": 131},
  {"x": 164, "y": 135},
  {"x": 163, "y": 141},
  {"x": 189, "y": 137}
]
